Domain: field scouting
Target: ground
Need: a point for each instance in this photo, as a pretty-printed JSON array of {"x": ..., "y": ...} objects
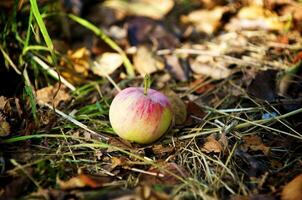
[{"x": 232, "y": 71}]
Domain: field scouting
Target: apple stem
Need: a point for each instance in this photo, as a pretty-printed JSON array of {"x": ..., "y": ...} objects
[{"x": 146, "y": 83}]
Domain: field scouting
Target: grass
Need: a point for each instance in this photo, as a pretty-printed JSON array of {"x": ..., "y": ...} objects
[{"x": 78, "y": 137}]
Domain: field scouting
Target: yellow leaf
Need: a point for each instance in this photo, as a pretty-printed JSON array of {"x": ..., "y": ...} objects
[{"x": 293, "y": 190}]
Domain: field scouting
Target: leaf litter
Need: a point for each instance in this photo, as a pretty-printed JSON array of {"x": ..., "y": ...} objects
[{"x": 232, "y": 71}]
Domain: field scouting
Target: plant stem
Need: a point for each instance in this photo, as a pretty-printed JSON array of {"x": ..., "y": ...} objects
[{"x": 146, "y": 83}]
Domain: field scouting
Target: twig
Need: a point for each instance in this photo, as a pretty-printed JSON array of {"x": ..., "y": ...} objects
[
  {"x": 53, "y": 73},
  {"x": 76, "y": 122},
  {"x": 146, "y": 172},
  {"x": 246, "y": 124},
  {"x": 12, "y": 64}
]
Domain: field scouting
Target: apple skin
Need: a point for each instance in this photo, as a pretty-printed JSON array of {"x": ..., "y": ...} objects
[{"x": 140, "y": 118}]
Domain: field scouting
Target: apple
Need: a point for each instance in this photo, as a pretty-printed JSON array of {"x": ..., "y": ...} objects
[{"x": 140, "y": 115}]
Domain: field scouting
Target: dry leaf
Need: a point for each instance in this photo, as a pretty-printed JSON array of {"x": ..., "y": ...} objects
[
  {"x": 294, "y": 9},
  {"x": 115, "y": 161},
  {"x": 175, "y": 68},
  {"x": 205, "y": 65},
  {"x": 199, "y": 87},
  {"x": 195, "y": 114},
  {"x": 75, "y": 65},
  {"x": 178, "y": 106},
  {"x": 159, "y": 149},
  {"x": 144, "y": 61},
  {"x": 154, "y": 9},
  {"x": 256, "y": 17},
  {"x": 3, "y": 102},
  {"x": 83, "y": 180},
  {"x": 212, "y": 145},
  {"x": 147, "y": 192},
  {"x": 107, "y": 63},
  {"x": 52, "y": 96},
  {"x": 254, "y": 143},
  {"x": 207, "y": 21},
  {"x": 158, "y": 35},
  {"x": 293, "y": 190},
  {"x": 4, "y": 126}
]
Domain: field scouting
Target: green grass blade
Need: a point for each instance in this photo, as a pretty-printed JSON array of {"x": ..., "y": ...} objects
[
  {"x": 107, "y": 40},
  {"x": 42, "y": 27}
]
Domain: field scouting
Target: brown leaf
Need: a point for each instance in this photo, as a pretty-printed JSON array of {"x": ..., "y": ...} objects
[
  {"x": 159, "y": 149},
  {"x": 75, "y": 65},
  {"x": 155, "y": 9},
  {"x": 212, "y": 145},
  {"x": 52, "y": 95},
  {"x": 256, "y": 17},
  {"x": 146, "y": 192},
  {"x": 4, "y": 126},
  {"x": 199, "y": 87},
  {"x": 264, "y": 85},
  {"x": 195, "y": 113},
  {"x": 297, "y": 57},
  {"x": 293, "y": 190},
  {"x": 107, "y": 63},
  {"x": 178, "y": 106},
  {"x": 254, "y": 143},
  {"x": 205, "y": 65},
  {"x": 294, "y": 9},
  {"x": 175, "y": 68},
  {"x": 83, "y": 180},
  {"x": 207, "y": 21},
  {"x": 145, "y": 61},
  {"x": 158, "y": 36},
  {"x": 3, "y": 102},
  {"x": 118, "y": 161}
]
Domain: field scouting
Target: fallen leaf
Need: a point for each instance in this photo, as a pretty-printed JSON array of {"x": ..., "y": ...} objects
[
  {"x": 205, "y": 65},
  {"x": 147, "y": 192},
  {"x": 155, "y": 9},
  {"x": 254, "y": 143},
  {"x": 4, "y": 126},
  {"x": 75, "y": 66},
  {"x": 293, "y": 190},
  {"x": 53, "y": 95},
  {"x": 264, "y": 85},
  {"x": 117, "y": 161},
  {"x": 14, "y": 187},
  {"x": 174, "y": 66},
  {"x": 145, "y": 61},
  {"x": 212, "y": 145},
  {"x": 3, "y": 102},
  {"x": 207, "y": 21},
  {"x": 256, "y": 17},
  {"x": 159, "y": 149},
  {"x": 195, "y": 114},
  {"x": 294, "y": 9},
  {"x": 199, "y": 86},
  {"x": 83, "y": 180},
  {"x": 297, "y": 57},
  {"x": 178, "y": 106},
  {"x": 106, "y": 64},
  {"x": 158, "y": 36},
  {"x": 254, "y": 166}
]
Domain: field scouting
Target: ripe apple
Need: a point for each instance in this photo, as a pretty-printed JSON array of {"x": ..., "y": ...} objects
[{"x": 139, "y": 115}]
